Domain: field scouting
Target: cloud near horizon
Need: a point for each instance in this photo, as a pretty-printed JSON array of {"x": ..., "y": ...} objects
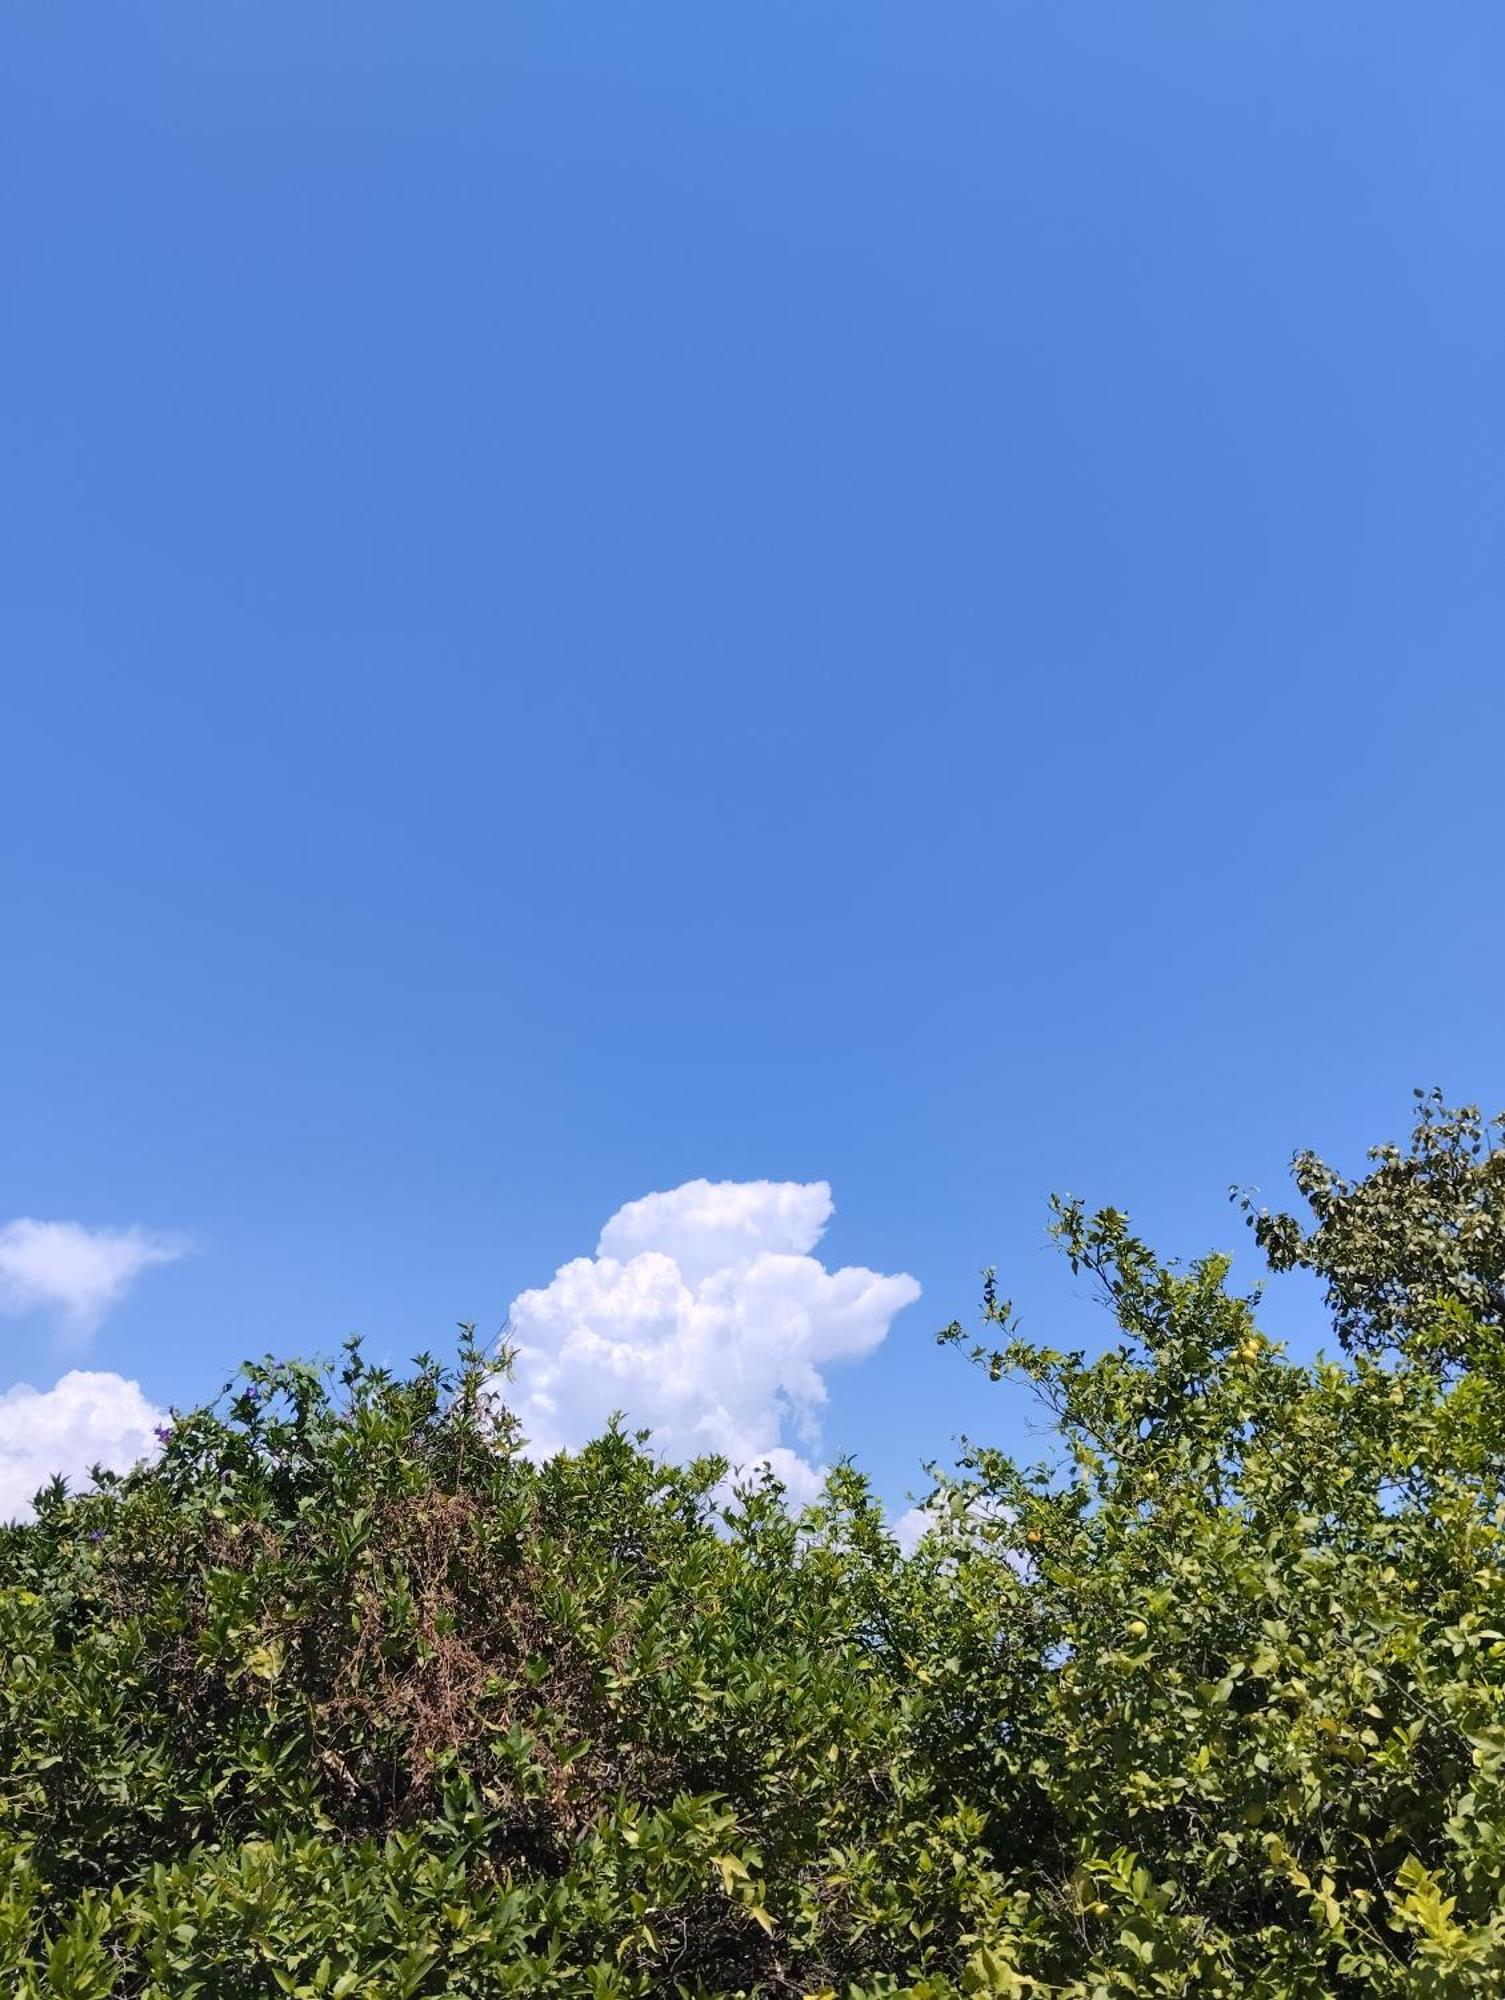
[
  {"x": 78, "y": 1273},
  {"x": 87, "y": 1418},
  {"x": 704, "y": 1317}
]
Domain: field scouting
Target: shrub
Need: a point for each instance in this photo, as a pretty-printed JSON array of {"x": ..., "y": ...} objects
[{"x": 345, "y": 1696}]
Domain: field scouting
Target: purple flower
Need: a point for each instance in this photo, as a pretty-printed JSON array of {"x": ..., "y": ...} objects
[
  {"x": 96, "y": 1534},
  {"x": 163, "y": 1433}
]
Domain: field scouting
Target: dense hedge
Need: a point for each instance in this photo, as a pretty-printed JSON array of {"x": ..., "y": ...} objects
[{"x": 346, "y": 1697}]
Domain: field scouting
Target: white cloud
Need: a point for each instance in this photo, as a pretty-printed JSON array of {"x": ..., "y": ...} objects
[
  {"x": 703, "y": 1316},
  {"x": 912, "y": 1526},
  {"x": 77, "y": 1272},
  {"x": 86, "y": 1419},
  {"x": 707, "y": 1225}
]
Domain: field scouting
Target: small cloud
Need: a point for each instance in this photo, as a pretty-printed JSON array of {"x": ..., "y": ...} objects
[
  {"x": 972, "y": 1517},
  {"x": 703, "y": 1317},
  {"x": 911, "y": 1528},
  {"x": 88, "y": 1418},
  {"x": 77, "y": 1272}
]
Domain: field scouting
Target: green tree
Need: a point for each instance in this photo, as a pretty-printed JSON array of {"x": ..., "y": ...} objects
[
  {"x": 345, "y": 1696},
  {"x": 1405, "y": 1245}
]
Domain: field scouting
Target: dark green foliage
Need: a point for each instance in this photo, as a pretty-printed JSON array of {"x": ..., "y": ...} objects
[{"x": 347, "y": 1697}]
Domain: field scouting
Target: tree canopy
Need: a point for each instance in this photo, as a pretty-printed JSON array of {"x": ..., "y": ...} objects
[{"x": 346, "y": 1696}]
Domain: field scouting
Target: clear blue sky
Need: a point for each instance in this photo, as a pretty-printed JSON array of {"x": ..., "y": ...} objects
[{"x": 595, "y": 595}]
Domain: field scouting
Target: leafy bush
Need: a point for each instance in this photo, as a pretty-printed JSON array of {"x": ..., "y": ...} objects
[{"x": 344, "y": 1696}]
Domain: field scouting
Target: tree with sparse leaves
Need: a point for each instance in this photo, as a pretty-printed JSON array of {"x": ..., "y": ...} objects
[{"x": 345, "y": 1696}]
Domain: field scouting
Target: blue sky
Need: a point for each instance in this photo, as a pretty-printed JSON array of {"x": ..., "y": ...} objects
[{"x": 596, "y": 596}]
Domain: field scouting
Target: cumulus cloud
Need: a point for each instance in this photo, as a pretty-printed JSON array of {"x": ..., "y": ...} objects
[
  {"x": 708, "y": 1226},
  {"x": 86, "y": 1419},
  {"x": 76, "y": 1272},
  {"x": 704, "y": 1317}
]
